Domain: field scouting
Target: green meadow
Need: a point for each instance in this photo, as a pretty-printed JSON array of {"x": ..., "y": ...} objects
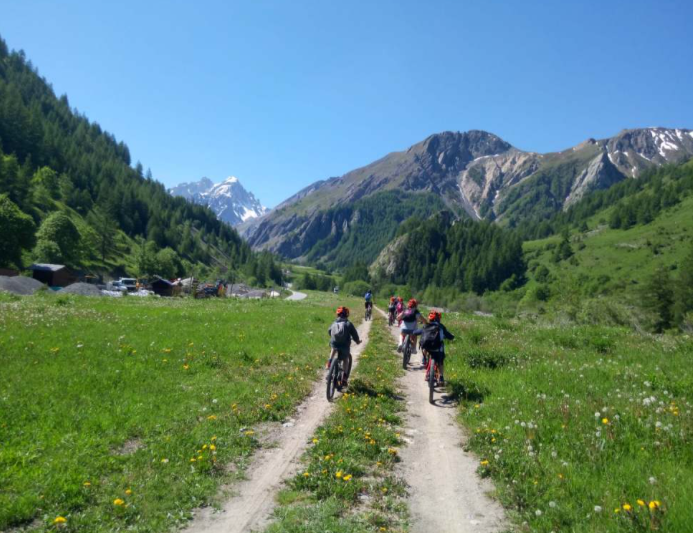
[
  {"x": 125, "y": 414},
  {"x": 582, "y": 428}
]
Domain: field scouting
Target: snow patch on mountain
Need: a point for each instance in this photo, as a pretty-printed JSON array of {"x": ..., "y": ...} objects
[{"x": 228, "y": 199}]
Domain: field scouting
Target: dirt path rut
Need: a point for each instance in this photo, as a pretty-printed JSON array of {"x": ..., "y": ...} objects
[
  {"x": 445, "y": 493},
  {"x": 251, "y": 507}
]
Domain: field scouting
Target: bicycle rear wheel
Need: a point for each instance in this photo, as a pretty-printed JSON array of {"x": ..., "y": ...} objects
[
  {"x": 432, "y": 369},
  {"x": 406, "y": 352},
  {"x": 332, "y": 377}
]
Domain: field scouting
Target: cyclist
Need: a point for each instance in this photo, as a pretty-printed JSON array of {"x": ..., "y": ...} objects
[
  {"x": 433, "y": 338},
  {"x": 398, "y": 309},
  {"x": 369, "y": 300},
  {"x": 342, "y": 331},
  {"x": 409, "y": 319},
  {"x": 392, "y": 308}
]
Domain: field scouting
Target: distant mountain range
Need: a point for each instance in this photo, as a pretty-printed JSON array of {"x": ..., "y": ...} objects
[
  {"x": 228, "y": 199},
  {"x": 475, "y": 174}
]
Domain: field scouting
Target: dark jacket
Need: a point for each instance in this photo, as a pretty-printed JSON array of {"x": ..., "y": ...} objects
[
  {"x": 443, "y": 331},
  {"x": 353, "y": 334}
]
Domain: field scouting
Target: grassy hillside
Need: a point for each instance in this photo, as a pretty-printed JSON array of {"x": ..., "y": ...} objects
[{"x": 126, "y": 414}]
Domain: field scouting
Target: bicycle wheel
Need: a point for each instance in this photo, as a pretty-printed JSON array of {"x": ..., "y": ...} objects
[
  {"x": 347, "y": 369},
  {"x": 432, "y": 369},
  {"x": 406, "y": 352},
  {"x": 332, "y": 377}
]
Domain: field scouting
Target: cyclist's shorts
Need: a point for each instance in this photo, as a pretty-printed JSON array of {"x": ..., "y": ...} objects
[
  {"x": 438, "y": 357},
  {"x": 343, "y": 353},
  {"x": 406, "y": 331}
]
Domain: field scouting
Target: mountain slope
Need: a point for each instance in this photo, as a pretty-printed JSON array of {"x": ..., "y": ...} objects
[
  {"x": 476, "y": 173},
  {"x": 52, "y": 158},
  {"x": 228, "y": 199}
]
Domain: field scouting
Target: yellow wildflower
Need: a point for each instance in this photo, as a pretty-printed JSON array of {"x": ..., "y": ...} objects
[
  {"x": 627, "y": 507},
  {"x": 212, "y": 447},
  {"x": 60, "y": 520},
  {"x": 118, "y": 502},
  {"x": 338, "y": 474},
  {"x": 315, "y": 441},
  {"x": 128, "y": 492},
  {"x": 641, "y": 503},
  {"x": 212, "y": 417},
  {"x": 605, "y": 420},
  {"x": 654, "y": 504},
  {"x": 347, "y": 477},
  {"x": 86, "y": 484},
  {"x": 484, "y": 463}
]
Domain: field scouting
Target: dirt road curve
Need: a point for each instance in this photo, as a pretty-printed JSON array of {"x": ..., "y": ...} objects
[
  {"x": 251, "y": 506},
  {"x": 295, "y": 295},
  {"x": 445, "y": 493}
]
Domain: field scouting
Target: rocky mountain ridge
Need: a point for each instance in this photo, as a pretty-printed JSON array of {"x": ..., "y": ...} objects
[
  {"x": 231, "y": 202},
  {"x": 476, "y": 173}
]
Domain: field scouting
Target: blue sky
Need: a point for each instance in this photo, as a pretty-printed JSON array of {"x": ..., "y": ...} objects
[{"x": 283, "y": 93}]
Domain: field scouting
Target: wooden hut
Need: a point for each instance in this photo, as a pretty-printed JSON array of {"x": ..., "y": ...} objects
[
  {"x": 53, "y": 275},
  {"x": 162, "y": 287}
]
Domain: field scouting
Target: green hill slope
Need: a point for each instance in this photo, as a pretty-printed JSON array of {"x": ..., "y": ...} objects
[{"x": 53, "y": 159}]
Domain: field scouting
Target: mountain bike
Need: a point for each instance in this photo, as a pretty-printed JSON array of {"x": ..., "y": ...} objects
[
  {"x": 432, "y": 376},
  {"x": 369, "y": 312},
  {"x": 391, "y": 318},
  {"x": 406, "y": 350},
  {"x": 338, "y": 370}
]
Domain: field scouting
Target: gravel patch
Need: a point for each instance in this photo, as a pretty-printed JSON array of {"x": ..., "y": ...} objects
[
  {"x": 20, "y": 285},
  {"x": 82, "y": 289}
]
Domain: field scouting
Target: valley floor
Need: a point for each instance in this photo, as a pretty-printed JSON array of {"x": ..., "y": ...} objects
[{"x": 135, "y": 414}]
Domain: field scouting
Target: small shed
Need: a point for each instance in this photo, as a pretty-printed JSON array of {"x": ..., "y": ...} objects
[
  {"x": 162, "y": 287},
  {"x": 52, "y": 275}
]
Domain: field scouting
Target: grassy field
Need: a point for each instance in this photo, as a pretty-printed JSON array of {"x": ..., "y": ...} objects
[
  {"x": 347, "y": 484},
  {"x": 125, "y": 414},
  {"x": 583, "y": 429}
]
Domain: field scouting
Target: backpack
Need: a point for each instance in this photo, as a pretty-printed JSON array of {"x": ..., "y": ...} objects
[
  {"x": 409, "y": 315},
  {"x": 430, "y": 340},
  {"x": 339, "y": 332}
]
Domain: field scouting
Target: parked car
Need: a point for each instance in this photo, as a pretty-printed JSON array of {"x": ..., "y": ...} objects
[
  {"x": 116, "y": 286},
  {"x": 129, "y": 283}
]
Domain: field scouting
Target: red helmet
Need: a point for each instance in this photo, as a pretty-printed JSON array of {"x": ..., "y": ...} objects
[
  {"x": 342, "y": 311},
  {"x": 434, "y": 316},
  {"x": 401, "y": 300},
  {"x": 412, "y": 303},
  {"x": 392, "y": 298}
]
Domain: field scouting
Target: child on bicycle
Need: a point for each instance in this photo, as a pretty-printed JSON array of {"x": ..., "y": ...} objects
[
  {"x": 433, "y": 337},
  {"x": 391, "y": 308},
  {"x": 399, "y": 308},
  {"x": 410, "y": 319},
  {"x": 342, "y": 331}
]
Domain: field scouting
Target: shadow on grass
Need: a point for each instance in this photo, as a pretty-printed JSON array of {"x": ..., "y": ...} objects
[
  {"x": 466, "y": 392},
  {"x": 360, "y": 386}
]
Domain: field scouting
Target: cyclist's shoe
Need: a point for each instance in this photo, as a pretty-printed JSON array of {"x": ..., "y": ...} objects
[
  {"x": 399, "y": 348},
  {"x": 441, "y": 381}
]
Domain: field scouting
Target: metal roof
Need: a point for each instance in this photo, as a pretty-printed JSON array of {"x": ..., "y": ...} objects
[{"x": 46, "y": 267}]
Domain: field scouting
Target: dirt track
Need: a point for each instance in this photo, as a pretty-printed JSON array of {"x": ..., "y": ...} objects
[
  {"x": 445, "y": 493},
  {"x": 251, "y": 506}
]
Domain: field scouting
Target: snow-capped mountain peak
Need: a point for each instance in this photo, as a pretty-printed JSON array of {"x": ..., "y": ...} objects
[{"x": 228, "y": 199}]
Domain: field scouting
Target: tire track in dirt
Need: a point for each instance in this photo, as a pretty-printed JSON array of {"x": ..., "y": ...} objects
[
  {"x": 445, "y": 492},
  {"x": 253, "y": 501}
]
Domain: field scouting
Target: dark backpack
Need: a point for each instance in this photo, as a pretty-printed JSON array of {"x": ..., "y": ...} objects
[
  {"x": 430, "y": 340},
  {"x": 409, "y": 315},
  {"x": 339, "y": 332}
]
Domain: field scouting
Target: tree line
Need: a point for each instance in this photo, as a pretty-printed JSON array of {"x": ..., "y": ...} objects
[{"x": 59, "y": 170}]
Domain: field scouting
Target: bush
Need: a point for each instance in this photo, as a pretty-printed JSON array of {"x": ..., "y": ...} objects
[
  {"x": 480, "y": 358},
  {"x": 356, "y": 288}
]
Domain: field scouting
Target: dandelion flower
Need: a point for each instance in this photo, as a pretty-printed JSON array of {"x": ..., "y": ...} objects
[
  {"x": 484, "y": 463},
  {"x": 118, "y": 502},
  {"x": 128, "y": 492},
  {"x": 627, "y": 507},
  {"x": 641, "y": 503},
  {"x": 212, "y": 417},
  {"x": 338, "y": 474},
  {"x": 347, "y": 477},
  {"x": 538, "y": 512},
  {"x": 605, "y": 421},
  {"x": 315, "y": 441},
  {"x": 212, "y": 447},
  {"x": 87, "y": 484},
  {"x": 306, "y": 474},
  {"x": 654, "y": 504},
  {"x": 597, "y": 509},
  {"x": 60, "y": 520}
]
